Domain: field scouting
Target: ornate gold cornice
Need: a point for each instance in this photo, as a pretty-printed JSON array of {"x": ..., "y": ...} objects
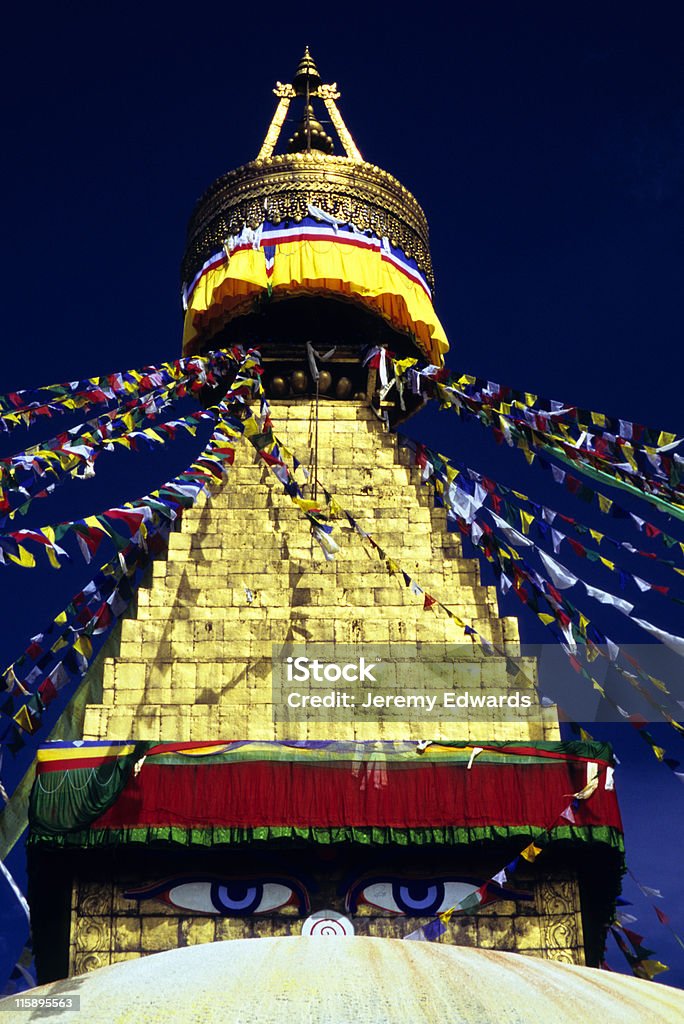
[{"x": 282, "y": 187}]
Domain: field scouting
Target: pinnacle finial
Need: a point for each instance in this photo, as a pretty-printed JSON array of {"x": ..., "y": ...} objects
[
  {"x": 306, "y": 74},
  {"x": 309, "y": 134}
]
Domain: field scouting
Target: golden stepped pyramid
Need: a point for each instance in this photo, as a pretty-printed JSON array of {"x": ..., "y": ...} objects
[{"x": 243, "y": 576}]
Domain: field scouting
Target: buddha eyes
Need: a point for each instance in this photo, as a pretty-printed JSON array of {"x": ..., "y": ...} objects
[
  {"x": 414, "y": 897},
  {"x": 252, "y": 896},
  {"x": 239, "y": 897}
]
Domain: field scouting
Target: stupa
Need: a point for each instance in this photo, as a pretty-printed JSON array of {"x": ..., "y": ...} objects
[{"x": 202, "y": 803}]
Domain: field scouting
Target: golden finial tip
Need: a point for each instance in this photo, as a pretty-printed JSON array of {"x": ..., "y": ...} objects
[{"x": 306, "y": 70}]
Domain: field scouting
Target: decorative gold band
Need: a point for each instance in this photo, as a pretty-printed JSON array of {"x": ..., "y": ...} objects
[{"x": 281, "y": 188}]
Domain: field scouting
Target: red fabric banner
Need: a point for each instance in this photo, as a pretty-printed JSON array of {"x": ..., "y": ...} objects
[{"x": 357, "y": 794}]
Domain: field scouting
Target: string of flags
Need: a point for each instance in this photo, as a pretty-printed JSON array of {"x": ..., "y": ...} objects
[
  {"x": 508, "y": 502},
  {"x": 582, "y": 420},
  {"x": 656, "y": 478},
  {"x": 24, "y": 408},
  {"x": 608, "y": 438},
  {"x": 36, "y": 472},
  {"x": 47, "y": 666},
  {"x": 572, "y": 625},
  {"x": 630, "y": 942},
  {"x": 639, "y": 959}
]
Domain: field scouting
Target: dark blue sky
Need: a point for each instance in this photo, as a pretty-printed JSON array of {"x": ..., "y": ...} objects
[{"x": 545, "y": 144}]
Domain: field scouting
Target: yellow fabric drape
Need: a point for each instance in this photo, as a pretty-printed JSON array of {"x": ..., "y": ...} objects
[{"x": 317, "y": 267}]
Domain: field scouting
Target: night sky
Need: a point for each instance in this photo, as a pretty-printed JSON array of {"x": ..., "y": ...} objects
[{"x": 546, "y": 145}]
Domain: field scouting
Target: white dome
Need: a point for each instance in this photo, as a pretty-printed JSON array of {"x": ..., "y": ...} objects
[{"x": 348, "y": 980}]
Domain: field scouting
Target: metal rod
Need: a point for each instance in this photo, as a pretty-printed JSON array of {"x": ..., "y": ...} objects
[{"x": 314, "y": 490}]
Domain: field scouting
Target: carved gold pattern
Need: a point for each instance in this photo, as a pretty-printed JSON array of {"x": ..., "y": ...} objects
[
  {"x": 282, "y": 187},
  {"x": 559, "y": 920},
  {"x": 94, "y": 899},
  {"x": 85, "y": 962}
]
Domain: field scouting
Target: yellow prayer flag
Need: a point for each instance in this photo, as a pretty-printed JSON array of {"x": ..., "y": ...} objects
[
  {"x": 52, "y": 557},
  {"x": 402, "y": 365},
  {"x": 629, "y": 455},
  {"x": 526, "y": 520},
  {"x": 306, "y": 504},
  {"x": 659, "y": 684},
  {"x": 83, "y": 646},
  {"x": 598, "y": 419},
  {"x": 604, "y": 503},
  {"x": 665, "y": 437},
  {"x": 530, "y": 398},
  {"x": 528, "y": 455},
  {"x": 650, "y": 968},
  {"x": 546, "y": 618},
  {"x": 25, "y": 559},
  {"x": 24, "y": 720},
  {"x": 531, "y": 852},
  {"x": 608, "y": 564},
  {"x": 61, "y": 618},
  {"x": 598, "y": 537}
]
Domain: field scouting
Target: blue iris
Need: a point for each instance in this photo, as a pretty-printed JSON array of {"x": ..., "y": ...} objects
[
  {"x": 236, "y": 897},
  {"x": 418, "y": 897}
]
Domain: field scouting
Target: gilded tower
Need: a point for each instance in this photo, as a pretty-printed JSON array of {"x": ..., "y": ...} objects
[{"x": 217, "y": 798}]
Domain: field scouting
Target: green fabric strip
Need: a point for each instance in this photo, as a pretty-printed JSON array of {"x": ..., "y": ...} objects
[
  {"x": 367, "y": 836},
  {"x": 72, "y": 800},
  {"x": 69, "y": 726},
  {"x": 605, "y": 478}
]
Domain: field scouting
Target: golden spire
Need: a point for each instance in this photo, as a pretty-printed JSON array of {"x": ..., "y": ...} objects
[
  {"x": 306, "y": 74},
  {"x": 309, "y": 135}
]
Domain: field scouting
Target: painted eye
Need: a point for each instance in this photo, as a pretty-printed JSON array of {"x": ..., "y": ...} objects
[
  {"x": 413, "y": 897},
  {"x": 233, "y": 898},
  {"x": 230, "y": 898}
]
